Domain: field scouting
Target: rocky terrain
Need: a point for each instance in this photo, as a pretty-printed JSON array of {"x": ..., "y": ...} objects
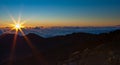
[{"x": 72, "y": 49}]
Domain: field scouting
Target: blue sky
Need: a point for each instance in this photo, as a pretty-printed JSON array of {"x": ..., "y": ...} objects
[{"x": 62, "y": 12}]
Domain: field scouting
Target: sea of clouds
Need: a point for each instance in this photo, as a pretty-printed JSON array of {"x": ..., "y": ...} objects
[{"x": 57, "y": 31}]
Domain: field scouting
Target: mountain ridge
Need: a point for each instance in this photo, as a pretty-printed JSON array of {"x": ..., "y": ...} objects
[{"x": 58, "y": 47}]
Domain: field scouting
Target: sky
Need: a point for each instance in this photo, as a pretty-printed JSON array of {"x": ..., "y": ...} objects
[{"x": 61, "y": 12}]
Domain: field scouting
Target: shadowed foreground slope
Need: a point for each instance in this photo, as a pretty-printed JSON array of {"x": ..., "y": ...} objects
[{"x": 72, "y": 49}]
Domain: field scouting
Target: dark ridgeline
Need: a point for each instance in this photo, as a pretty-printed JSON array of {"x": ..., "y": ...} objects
[{"x": 71, "y": 49}]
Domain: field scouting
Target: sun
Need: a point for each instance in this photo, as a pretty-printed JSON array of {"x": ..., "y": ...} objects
[{"x": 18, "y": 26}]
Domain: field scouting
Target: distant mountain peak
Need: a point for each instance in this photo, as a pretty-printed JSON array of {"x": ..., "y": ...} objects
[{"x": 33, "y": 35}]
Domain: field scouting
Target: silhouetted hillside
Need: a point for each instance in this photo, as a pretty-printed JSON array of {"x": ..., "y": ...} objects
[{"x": 57, "y": 49}]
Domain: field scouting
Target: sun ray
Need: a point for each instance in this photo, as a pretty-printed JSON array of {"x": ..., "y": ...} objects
[
  {"x": 13, "y": 48},
  {"x": 37, "y": 54},
  {"x": 27, "y": 40},
  {"x": 23, "y": 22},
  {"x": 9, "y": 30},
  {"x": 13, "y": 19},
  {"x": 19, "y": 18},
  {"x": 8, "y": 12},
  {"x": 14, "y": 41}
]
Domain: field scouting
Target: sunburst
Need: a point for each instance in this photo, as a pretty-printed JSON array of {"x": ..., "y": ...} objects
[{"x": 18, "y": 26}]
